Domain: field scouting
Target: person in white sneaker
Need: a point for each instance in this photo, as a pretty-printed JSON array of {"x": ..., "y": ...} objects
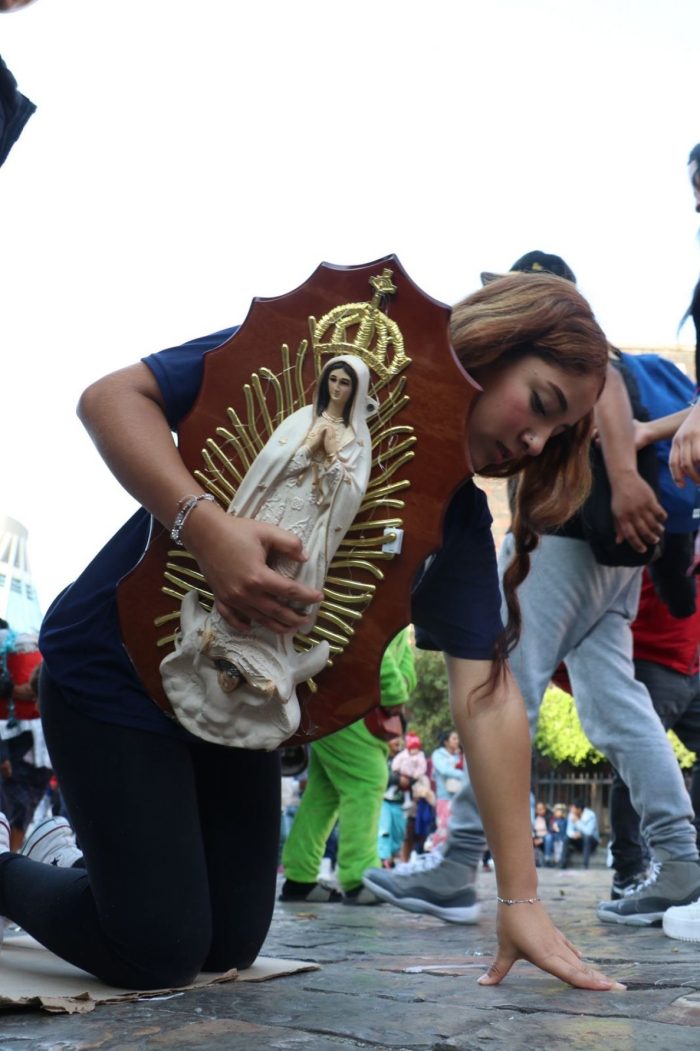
[{"x": 165, "y": 819}]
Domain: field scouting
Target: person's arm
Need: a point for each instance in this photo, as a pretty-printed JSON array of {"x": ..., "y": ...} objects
[
  {"x": 23, "y": 692},
  {"x": 441, "y": 762},
  {"x": 684, "y": 460},
  {"x": 393, "y": 682},
  {"x": 124, "y": 415},
  {"x": 588, "y": 824},
  {"x": 407, "y": 662},
  {"x": 397, "y": 672},
  {"x": 638, "y": 515},
  {"x": 494, "y": 730},
  {"x": 648, "y": 431},
  {"x": 5, "y": 763}
]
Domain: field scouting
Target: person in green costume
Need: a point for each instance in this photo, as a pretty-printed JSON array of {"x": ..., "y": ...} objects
[{"x": 347, "y": 780}]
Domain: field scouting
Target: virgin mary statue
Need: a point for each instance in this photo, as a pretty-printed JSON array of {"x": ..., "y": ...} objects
[{"x": 310, "y": 478}]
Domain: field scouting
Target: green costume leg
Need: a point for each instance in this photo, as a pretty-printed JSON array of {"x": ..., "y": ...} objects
[
  {"x": 312, "y": 825},
  {"x": 356, "y": 763},
  {"x": 347, "y": 779}
]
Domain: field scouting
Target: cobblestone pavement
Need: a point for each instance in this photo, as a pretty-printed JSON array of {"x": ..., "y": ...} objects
[{"x": 395, "y": 981}]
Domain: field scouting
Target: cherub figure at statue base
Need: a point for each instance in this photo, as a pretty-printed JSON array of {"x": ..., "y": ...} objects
[{"x": 262, "y": 710}]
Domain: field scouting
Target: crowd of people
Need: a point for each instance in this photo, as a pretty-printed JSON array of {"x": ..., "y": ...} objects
[
  {"x": 177, "y": 805},
  {"x": 413, "y": 778},
  {"x": 558, "y": 832}
]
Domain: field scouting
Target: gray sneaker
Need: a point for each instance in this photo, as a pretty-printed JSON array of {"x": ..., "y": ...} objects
[
  {"x": 432, "y": 884},
  {"x": 671, "y": 883}
]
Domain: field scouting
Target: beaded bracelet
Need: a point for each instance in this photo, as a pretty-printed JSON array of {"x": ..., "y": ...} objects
[
  {"x": 517, "y": 901},
  {"x": 186, "y": 506}
]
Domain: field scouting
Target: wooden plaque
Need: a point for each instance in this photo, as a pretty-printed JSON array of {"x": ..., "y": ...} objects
[{"x": 254, "y": 380}]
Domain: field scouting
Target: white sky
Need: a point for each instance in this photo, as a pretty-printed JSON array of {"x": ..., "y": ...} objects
[{"x": 187, "y": 155}]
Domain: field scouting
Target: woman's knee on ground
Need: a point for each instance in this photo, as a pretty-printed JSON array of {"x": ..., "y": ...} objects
[
  {"x": 164, "y": 953},
  {"x": 239, "y": 957}
]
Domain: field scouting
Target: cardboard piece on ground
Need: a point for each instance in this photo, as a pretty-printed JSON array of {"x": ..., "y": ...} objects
[{"x": 30, "y": 975}]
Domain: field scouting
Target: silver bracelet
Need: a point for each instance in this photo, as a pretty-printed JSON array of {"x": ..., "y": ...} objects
[
  {"x": 517, "y": 901},
  {"x": 186, "y": 506}
]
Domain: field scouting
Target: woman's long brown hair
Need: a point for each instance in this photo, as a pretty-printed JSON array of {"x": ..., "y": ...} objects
[{"x": 544, "y": 315}]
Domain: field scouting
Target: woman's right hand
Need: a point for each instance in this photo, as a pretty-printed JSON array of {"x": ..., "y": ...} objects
[
  {"x": 525, "y": 932},
  {"x": 232, "y": 553}
]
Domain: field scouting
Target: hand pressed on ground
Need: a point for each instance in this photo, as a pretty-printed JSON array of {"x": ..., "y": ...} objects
[{"x": 525, "y": 932}]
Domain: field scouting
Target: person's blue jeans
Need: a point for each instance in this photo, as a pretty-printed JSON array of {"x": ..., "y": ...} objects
[{"x": 586, "y": 845}]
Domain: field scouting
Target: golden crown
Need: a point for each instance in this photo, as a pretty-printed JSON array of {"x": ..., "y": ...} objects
[{"x": 362, "y": 329}]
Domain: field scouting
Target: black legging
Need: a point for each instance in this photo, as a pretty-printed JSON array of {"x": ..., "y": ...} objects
[{"x": 180, "y": 842}]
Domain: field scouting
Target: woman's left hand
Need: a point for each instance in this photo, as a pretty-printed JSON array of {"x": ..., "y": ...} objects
[{"x": 525, "y": 932}]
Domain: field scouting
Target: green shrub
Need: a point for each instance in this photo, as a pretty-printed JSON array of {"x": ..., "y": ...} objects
[
  {"x": 560, "y": 735},
  {"x": 685, "y": 757},
  {"x": 561, "y": 738},
  {"x": 428, "y": 709}
]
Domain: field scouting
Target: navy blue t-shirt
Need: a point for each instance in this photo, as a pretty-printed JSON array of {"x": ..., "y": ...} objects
[{"x": 455, "y": 601}]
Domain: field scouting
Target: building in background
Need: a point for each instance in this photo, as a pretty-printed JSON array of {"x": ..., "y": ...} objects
[{"x": 19, "y": 604}]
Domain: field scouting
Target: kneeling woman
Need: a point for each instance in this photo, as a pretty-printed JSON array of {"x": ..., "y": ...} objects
[{"x": 180, "y": 835}]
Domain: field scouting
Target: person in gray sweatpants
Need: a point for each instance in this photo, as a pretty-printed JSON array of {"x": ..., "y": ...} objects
[{"x": 580, "y": 612}]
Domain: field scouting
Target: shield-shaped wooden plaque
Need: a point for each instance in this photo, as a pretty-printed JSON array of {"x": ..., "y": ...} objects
[{"x": 263, "y": 373}]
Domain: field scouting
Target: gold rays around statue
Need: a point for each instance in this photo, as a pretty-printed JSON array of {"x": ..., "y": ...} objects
[{"x": 270, "y": 397}]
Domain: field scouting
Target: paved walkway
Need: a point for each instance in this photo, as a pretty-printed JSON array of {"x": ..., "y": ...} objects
[{"x": 394, "y": 981}]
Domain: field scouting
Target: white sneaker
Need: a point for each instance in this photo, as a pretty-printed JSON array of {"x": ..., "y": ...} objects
[
  {"x": 326, "y": 869},
  {"x": 52, "y": 843},
  {"x": 4, "y": 848},
  {"x": 683, "y": 922},
  {"x": 418, "y": 863}
]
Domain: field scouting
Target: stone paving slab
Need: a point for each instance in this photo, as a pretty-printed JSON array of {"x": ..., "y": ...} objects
[{"x": 401, "y": 982}]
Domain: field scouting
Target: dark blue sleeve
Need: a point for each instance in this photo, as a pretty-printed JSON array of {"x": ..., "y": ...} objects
[
  {"x": 456, "y": 601},
  {"x": 178, "y": 371},
  {"x": 15, "y": 111}
]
